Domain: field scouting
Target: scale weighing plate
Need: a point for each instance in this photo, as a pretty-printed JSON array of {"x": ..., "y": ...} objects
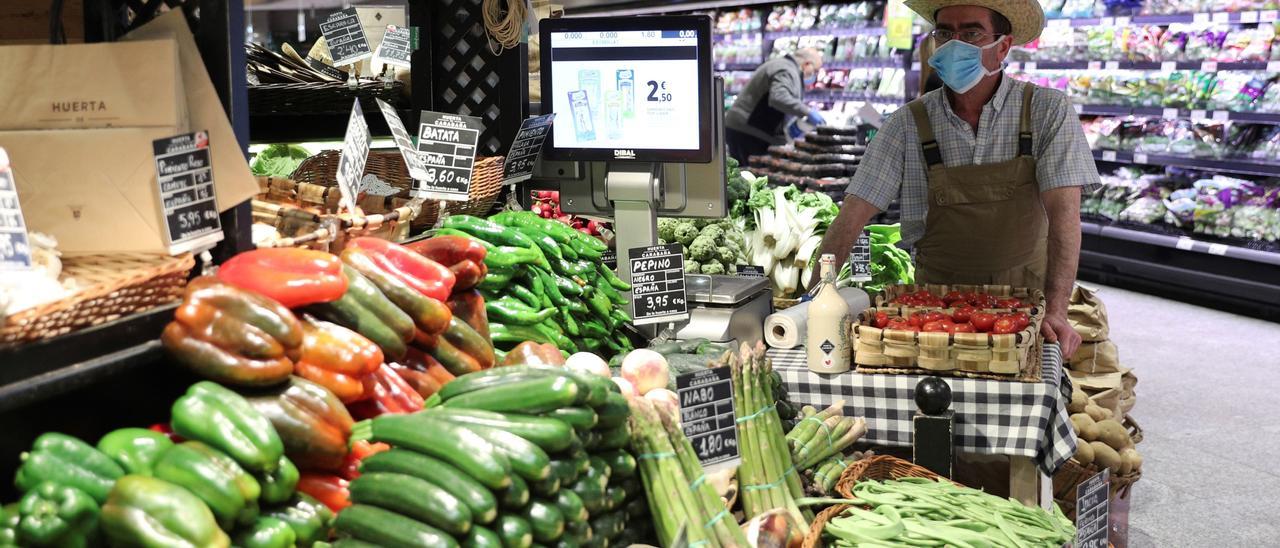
[{"x": 726, "y": 309}]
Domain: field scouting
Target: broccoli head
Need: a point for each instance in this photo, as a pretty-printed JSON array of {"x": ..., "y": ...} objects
[
  {"x": 685, "y": 232},
  {"x": 667, "y": 229},
  {"x": 692, "y": 267},
  {"x": 703, "y": 249},
  {"x": 713, "y": 267},
  {"x": 713, "y": 231},
  {"x": 726, "y": 254}
]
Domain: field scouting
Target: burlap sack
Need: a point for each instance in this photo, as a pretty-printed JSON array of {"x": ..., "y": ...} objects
[
  {"x": 1088, "y": 315},
  {"x": 1096, "y": 357},
  {"x": 1128, "y": 397}
]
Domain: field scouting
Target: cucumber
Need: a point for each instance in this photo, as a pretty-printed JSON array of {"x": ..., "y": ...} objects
[
  {"x": 615, "y": 498},
  {"x": 580, "y": 418},
  {"x": 547, "y": 487},
  {"x": 567, "y": 543},
  {"x": 489, "y": 378},
  {"x": 614, "y": 438},
  {"x": 600, "y": 468},
  {"x": 515, "y": 532},
  {"x": 480, "y": 537},
  {"x": 389, "y": 529},
  {"x": 546, "y": 521},
  {"x": 527, "y": 459},
  {"x": 479, "y": 500},
  {"x": 580, "y": 530},
  {"x": 637, "y": 508},
  {"x": 413, "y": 497},
  {"x": 352, "y": 543},
  {"x": 552, "y": 435},
  {"x": 613, "y": 413},
  {"x": 591, "y": 492},
  {"x": 565, "y": 470},
  {"x": 434, "y": 436},
  {"x": 515, "y": 496},
  {"x": 609, "y": 525},
  {"x": 570, "y": 504},
  {"x": 621, "y": 464},
  {"x": 583, "y": 461},
  {"x": 631, "y": 485},
  {"x": 537, "y": 395},
  {"x": 590, "y": 440}
]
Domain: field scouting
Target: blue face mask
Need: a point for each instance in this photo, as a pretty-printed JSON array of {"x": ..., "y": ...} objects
[
  {"x": 809, "y": 81},
  {"x": 959, "y": 64}
]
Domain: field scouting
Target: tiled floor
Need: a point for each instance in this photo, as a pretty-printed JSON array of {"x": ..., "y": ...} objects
[{"x": 1208, "y": 405}]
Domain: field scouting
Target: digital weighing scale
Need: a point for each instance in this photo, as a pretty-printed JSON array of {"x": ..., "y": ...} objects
[{"x": 726, "y": 309}]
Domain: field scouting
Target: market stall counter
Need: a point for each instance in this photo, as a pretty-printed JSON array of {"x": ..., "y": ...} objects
[{"x": 1026, "y": 421}]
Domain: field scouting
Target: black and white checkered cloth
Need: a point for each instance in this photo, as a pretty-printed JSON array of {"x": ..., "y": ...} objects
[{"x": 995, "y": 417}]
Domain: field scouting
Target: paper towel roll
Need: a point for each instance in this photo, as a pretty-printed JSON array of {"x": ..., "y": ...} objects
[{"x": 786, "y": 329}]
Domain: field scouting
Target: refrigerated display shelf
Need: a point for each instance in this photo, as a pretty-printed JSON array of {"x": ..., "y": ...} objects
[
  {"x": 1249, "y": 16},
  {"x": 1241, "y": 166},
  {"x": 827, "y": 31},
  {"x": 1165, "y": 66},
  {"x": 1181, "y": 113},
  {"x": 834, "y": 95},
  {"x": 833, "y": 65}
]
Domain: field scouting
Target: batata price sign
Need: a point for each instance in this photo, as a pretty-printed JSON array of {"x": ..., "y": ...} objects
[
  {"x": 185, "y": 174},
  {"x": 447, "y": 143},
  {"x": 706, "y": 414},
  {"x": 657, "y": 284}
]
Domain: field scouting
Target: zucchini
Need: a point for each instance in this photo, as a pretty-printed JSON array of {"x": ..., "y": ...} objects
[
  {"x": 546, "y": 521},
  {"x": 515, "y": 532},
  {"x": 389, "y": 529},
  {"x": 515, "y": 496},
  {"x": 579, "y": 530},
  {"x": 590, "y": 440},
  {"x": 491, "y": 377},
  {"x": 352, "y": 543},
  {"x": 580, "y": 418},
  {"x": 480, "y": 537},
  {"x": 583, "y": 461},
  {"x": 537, "y": 395},
  {"x": 613, "y": 413},
  {"x": 479, "y": 500},
  {"x": 434, "y": 436},
  {"x": 567, "y": 543},
  {"x": 637, "y": 508},
  {"x": 614, "y": 438},
  {"x": 552, "y": 435},
  {"x": 565, "y": 470},
  {"x": 591, "y": 492},
  {"x": 600, "y": 468},
  {"x": 527, "y": 459},
  {"x": 621, "y": 464},
  {"x": 609, "y": 525},
  {"x": 547, "y": 487},
  {"x": 631, "y": 485},
  {"x": 570, "y": 504},
  {"x": 615, "y": 498},
  {"x": 413, "y": 497}
]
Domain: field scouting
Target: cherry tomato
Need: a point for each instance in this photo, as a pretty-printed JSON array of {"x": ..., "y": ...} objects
[
  {"x": 916, "y": 319},
  {"x": 1020, "y": 319},
  {"x": 939, "y": 326},
  {"x": 1009, "y": 303},
  {"x": 964, "y": 327},
  {"x": 952, "y": 297},
  {"x": 927, "y": 317},
  {"x": 982, "y": 321},
  {"x": 882, "y": 319},
  {"x": 900, "y": 324},
  {"x": 1004, "y": 326},
  {"x": 963, "y": 313},
  {"x": 983, "y": 300},
  {"x": 923, "y": 294}
]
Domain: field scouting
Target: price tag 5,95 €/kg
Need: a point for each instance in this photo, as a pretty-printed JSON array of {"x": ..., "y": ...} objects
[
  {"x": 706, "y": 414},
  {"x": 184, "y": 172}
]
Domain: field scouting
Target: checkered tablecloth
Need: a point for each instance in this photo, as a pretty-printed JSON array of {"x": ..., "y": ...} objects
[{"x": 995, "y": 417}]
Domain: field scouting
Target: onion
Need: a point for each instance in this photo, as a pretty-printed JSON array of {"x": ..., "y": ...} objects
[
  {"x": 645, "y": 369},
  {"x": 625, "y": 387},
  {"x": 666, "y": 402},
  {"x": 586, "y": 362}
]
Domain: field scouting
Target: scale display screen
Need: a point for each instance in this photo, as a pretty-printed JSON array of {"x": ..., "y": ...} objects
[{"x": 635, "y": 88}]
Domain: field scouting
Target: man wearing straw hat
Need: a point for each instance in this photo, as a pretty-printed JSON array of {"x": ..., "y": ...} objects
[{"x": 988, "y": 170}]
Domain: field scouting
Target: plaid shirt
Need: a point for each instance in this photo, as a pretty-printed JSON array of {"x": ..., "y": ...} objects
[{"x": 894, "y": 166}]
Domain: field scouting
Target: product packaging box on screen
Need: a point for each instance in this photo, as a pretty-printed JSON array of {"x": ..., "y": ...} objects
[{"x": 79, "y": 127}]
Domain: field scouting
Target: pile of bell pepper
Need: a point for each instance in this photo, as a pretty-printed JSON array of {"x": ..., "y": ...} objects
[
  {"x": 220, "y": 477},
  {"x": 546, "y": 283}
]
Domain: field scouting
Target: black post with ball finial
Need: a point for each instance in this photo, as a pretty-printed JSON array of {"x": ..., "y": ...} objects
[{"x": 933, "y": 444}]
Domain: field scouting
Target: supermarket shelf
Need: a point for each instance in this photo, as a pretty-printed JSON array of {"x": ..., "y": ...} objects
[
  {"x": 735, "y": 36},
  {"x": 44, "y": 369},
  {"x": 1208, "y": 17},
  {"x": 1183, "y": 243},
  {"x": 1245, "y": 167},
  {"x": 834, "y": 65},
  {"x": 832, "y": 31},
  {"x": 1175, "y": 113},
  {"x": 729, "y": 67},
  {"x": 831, "y": 96},
  {"x": 1165, "y": 66}
]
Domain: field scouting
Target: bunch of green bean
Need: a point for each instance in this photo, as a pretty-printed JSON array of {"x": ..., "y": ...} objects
[
  {"x": 821, "y": 435},
  {"x": 913, "y": 512}
]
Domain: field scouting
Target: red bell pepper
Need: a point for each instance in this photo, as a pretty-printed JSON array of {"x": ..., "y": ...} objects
[
  {"x": 326, "y": 488},
  {"x": 391, "y": 395},
  {"x": 359, "y": 450},
  {"x": 421, "y": 360},
  {"x": 418, "y": 378},
  {"x": 469, "y": 307},
  {"x": 292, "y": 277},
  {"x": 164, "y": 428},
  {"x": 424, "y": 275},
  {"x": 464, "y": 257},
  {"x": 336, "y": 358}
]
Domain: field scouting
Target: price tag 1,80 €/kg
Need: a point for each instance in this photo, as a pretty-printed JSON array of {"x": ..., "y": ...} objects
[
  {"x": 706, "y": 414},
  {"x": 1093, "y": 528},
  {"x": 184, "y": 171},
  {"x": 448, "y": 146},
  {"x": 525, "y": 149},
  {"x": 657, "y": 284},
  {"x": 15, "y": 246}
]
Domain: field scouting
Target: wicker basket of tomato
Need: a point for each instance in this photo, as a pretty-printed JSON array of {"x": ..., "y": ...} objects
[{"x": 979, "y": 331}]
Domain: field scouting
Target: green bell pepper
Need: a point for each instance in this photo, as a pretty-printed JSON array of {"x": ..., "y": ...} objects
[
  {"x": 134, "y": 449},
  {"x": 9, "y": 518},
  {"x": 68, "y": 461},
  {"x": 225, "y": 420},
  {"x": 278, "y": 486},
  {"x": 267, "y": 532},
  {"x": 57, "y": 515},
  {"x": 309, "y": 518},
  {"x": 147, "y": 512},
  {"x": 231, "y": 493}
]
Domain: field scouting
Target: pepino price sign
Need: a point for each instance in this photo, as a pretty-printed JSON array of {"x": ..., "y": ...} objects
[
  {"x": 657, "y": 284},
  {"x": 706, "y": 414}
]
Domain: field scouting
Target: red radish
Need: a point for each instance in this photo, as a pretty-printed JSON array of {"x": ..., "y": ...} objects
[
  {"x": 586, "y": 362},
  {"x": 645, "y": 369}
]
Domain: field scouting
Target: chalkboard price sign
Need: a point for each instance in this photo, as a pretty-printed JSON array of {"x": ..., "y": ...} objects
[
  {"x": 354, "y": 155},
  {"x": 345, "y": 37},
  {"x": 184, "y": 172},
  {"x": 525, "y": 149},
  {"x": 448, "y": 146},
  {"x": 15, "y": 247},
  {"x": 657, "y": 284},
  {"x": 706, "y": 414},
  {"x": 396, "y": 47},
  {"x": 1093, "y": 527},
  {"x": 860, "y": 259}
]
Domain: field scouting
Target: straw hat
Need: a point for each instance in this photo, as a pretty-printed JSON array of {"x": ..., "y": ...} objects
[{"x": 1026, "y": 15}]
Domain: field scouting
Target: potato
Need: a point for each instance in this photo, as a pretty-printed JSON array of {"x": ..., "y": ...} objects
[
  {"x": 1113, "y": 433},
  {"x": 1081, "y": 421},
  {"x": 1084, "y": 453},
  {"x": 1106, "y": 413},
  {"x": 1090, "y": 433},
  {"x": 1078, "y": 402},
  {"x": 1095, "y": 412},
  {"x": 1133, "y": 458},
  {"x": 1105, "y": 456}
]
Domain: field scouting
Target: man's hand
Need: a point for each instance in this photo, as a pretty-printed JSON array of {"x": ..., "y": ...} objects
[
  {"x": 854, "y": 215},
  {"x": 1057, "y": 329}
]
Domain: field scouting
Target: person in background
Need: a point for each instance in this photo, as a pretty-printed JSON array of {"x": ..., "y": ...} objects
[
  {"x": 774, "y": 94},
  {"x": 988, "y": 170}
]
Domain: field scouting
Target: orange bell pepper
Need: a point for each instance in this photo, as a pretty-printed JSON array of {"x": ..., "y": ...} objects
[
  {"x": 336, "y": 358},
  {"x": 293, "y": 277}
]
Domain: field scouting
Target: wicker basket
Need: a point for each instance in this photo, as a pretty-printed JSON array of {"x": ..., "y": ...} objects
[
  {"x": 1072, "y": 474},
  {"x": 112, "y": 286},
  {"x": 320, "y": 97},
  {"x": 1135, "y": 430},
  {"x": 322, "y": 169},
  {"x": 880, "y": 467},
  {"x": 814, "y": 538}
]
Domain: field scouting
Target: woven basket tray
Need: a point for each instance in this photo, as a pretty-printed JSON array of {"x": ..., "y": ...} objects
[
  {"x": 320, "y": 97},
  {"x": 322, "y": 170},
  {"x": 112, "y": 286},
  {"x": 1012, "y": 356},
  {"x": 1072, "y": 474},
  {"x": 881, "y": 467}
]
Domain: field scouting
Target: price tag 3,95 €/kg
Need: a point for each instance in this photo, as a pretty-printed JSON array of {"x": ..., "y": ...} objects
[
  {"x": 706, "y": 415},
  {"x": 657, "y": 284}
]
